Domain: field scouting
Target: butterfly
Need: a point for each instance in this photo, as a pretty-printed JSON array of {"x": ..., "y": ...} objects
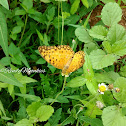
[{"x": 63, "y": 57}]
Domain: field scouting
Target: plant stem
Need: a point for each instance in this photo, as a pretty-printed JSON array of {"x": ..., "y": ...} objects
[
  {"x": 58, "y": 20},
  {"x": 62, "y": 23},
  {"x": 26, "y": 19},
  {"x": 61, "y": 90}
]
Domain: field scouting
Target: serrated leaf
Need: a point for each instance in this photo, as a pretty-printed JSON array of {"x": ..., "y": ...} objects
[
  {"x": 4, "y": 3},
  {"x": 111, "y": 14},
  {"x": 116, "y": 33},
  {"x": 56, "y": 117},
  {"x": 44, "y": 112},
  {"x": 99, "y": 32},
  {"x": 112, "y": 117},
  {"x": 100, "y": 59},
  {"x": 3, "y": 33},
  {"x": 107, "y": 46},
  {"x": 108, "y": 77},
  {"x": 83, "y": 35},
  {"x": 74, "y": 6},
  {"x": 119, "y": 48},
  {"x": 51, "y": 13},
  {"x": 121, "y": 84},
  {"x": 76, "y": 82},
  {"x": 88, "y": 47},
  {"x": 32, "y": 108}
]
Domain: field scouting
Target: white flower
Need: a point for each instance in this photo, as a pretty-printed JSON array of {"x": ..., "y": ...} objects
[
  {"x": 99, "y": 104},
  {"x": 102, "y": 88}
]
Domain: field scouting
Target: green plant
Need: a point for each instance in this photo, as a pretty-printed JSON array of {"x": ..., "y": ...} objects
[{"x": 29, "y": 98}]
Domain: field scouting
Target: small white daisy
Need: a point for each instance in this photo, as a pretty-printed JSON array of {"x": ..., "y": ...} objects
[{"x": 102, "y": 88}]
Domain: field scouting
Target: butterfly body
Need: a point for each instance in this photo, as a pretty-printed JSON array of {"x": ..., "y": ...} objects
[{"x": 62, "y": 57}]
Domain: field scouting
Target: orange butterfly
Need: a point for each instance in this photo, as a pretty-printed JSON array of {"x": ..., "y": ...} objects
[{"x": 63, "y": 57}]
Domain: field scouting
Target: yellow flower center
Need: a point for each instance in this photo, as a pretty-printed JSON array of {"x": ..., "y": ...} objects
[{"x": 102, "y": 88}]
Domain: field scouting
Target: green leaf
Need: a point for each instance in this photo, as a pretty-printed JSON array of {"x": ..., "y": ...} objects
[
  {"x": 92, "y": 122},
  {"x": 3, "y": 33},
  {"x": 123, "y": 71},
  {"x": 23, "y": 122},
  {"x": 28, "y": 4},
  {"x": 107, "y": 1},
  {"x": 51, "y": 13},
  {"x": 2, "y": 108},
  {"x": 74, "y": 6},
  {"x": 89, "y": 75},
  {"x": 111, "y": 14},
  {"x": 99, "y": 32},
  {"x": 56, "y": 117},
  {"x": 5, "y": 61},
  {"x": 116, "y": 33},
  {"x": 16, "y": 29},
  {"x": 121, "y": 84},
  {"x": 32, "y": 108},
  {"x": 23, "y": 59},
  {"x": 52, "y": 68},
  {"x": 88, "y": 47},
  {"x": 76, "y": 82},
  {"x": 24, "y": 79},
  {"x": 108, "y": 77},
  {"x": 44, "y": 112},
  {"x": 16, "y": 60},
  {"x": 30, "y": 97},
  {"x": 45, "y": 1},
  {"x": 119, "y": 48},
  {"x": 13, "y": 49},
  {"x": 8, "y": 77},
  {"x": 83, "y": 35},
  {"x": 112, "y": 117},
  {"x": 107, "y": 46},
  {"x": 4, "y": 3},
  {"x": 41, "y": 61},
  {"x": 40, "y": 35},
  {"x": 85, "y": 3},
  {"x": 20, "y": 12},
  {"x": 100, "y": 60},
  {"x": 89, "y": 112}
]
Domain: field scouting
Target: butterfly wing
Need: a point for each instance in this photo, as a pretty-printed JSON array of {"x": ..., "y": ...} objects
[
  {"x": 76, "y": 63},
  {"x": 56, "y": 56}
]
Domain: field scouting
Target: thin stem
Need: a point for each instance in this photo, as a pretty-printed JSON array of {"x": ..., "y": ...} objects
[
  {"x": 61, "y": 91},
  {"x": 62, "y": 23},
  {"x": 58, "y": 20},
  {"x": 26, "y": 19}
]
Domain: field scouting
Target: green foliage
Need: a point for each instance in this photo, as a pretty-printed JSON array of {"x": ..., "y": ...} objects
[
  {"x": 112, "y": 116},
  {"x": 33, "y": 92},
  {"x": 111, "y": 14}
]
